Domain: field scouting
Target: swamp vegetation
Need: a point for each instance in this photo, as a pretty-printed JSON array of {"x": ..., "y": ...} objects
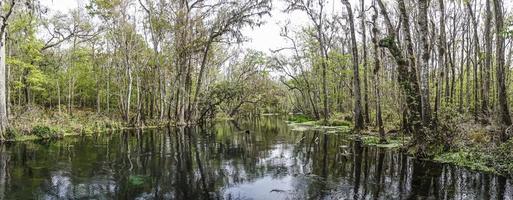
[{"x": 172, "y": 99}]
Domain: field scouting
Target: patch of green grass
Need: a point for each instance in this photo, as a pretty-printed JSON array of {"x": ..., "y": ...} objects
[
  {"x": 300, "y": 118},
  {"x": 43, "y": 131}
]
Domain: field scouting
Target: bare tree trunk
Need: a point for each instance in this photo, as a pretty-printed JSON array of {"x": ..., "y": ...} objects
[
  {"x": 324, "y": 81},
  {"x": 441, "y": 60},
  {"x": 70, "y": 95},
  {"x": 59, "y": 96},
  {"x": 358, "y": 117},
  {"x": 476, "y": 59},
  {"x": 453, "y": 58},
  {"x": 129, "y": 90},
  {"x": 96, "y": 70},
  {"x": 488, "y": 60},
  {"x": 4, "y": 122},
  {"x": 365, "y": 67},
  {"x": 162, "y": 88},
  {"x": 462, "y": 63},
  {"x": 504, "y": 117},
  {"x": 139, "y": 102},
  {"x": 107, "y": 98},
  {"x": 467, "y": 63},
  {"x": 424, "y": 69},
  {"x": 377, "y": 65},
  {"x": 200, "y": 79}
]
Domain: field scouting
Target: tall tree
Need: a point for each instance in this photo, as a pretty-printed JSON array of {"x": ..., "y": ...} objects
[
  {"x": 5, "y": 14},
  {"x": 504, "y": 116},
  {"x": 407, "y": 74},
  {"x": 441, "y": 59},
  {"x": 488, "y": 60},
  {"x": 365, "y": 64},
  {"x": 426, "y": 52},
  {"x": 476, "y": 58},
  {"x": 358, "y": 117},
  {"x": 377, "y": 67}
]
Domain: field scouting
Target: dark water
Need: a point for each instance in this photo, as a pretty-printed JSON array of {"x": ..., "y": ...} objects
[{"x": 224, "y": 162}]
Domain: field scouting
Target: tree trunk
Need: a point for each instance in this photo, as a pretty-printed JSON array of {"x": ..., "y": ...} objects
[
  {"x": 59, "y": 96},
  {"x": 476, "y": 59},
  {"x": 377, "y": 65},
  {"x": 488, "y": 60},
  {"x": 462, "y": 64},
  {"x": 441, "y": 60},
  {"x": 504, "y": 117},
  {"x": 365, "y": 67},
  {"x": 4, "y": 122},
  {"x": 181, "y": 62},
  {"x": 129, "y": 90},
  {"x": 406, "y": 75},
  {"x": 424, "y": 69},
  {"x": 358, "y": 117}
]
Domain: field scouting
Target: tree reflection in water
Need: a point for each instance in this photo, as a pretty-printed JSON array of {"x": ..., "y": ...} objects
[{"x": 223, "y": 161}]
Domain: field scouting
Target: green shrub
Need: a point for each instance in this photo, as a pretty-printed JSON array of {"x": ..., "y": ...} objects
[
  {"x": 300, "y": 118},
  {"x": 46, "y": 132}
]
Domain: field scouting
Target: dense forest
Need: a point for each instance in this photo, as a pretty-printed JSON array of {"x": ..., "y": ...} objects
[{"x": 437, "y": 71}]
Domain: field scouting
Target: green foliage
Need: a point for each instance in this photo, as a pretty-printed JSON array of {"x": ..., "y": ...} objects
[
  {"x": 392, "y": 142},
  {"x": 340, "y": 119},
  {"x": 471, "y": 159},
  {"x": 300, "y": 118},
  {"x": 44, "y": 131}
]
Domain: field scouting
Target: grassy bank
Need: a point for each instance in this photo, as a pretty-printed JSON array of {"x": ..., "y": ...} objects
[{"x": 34, "y": 123}]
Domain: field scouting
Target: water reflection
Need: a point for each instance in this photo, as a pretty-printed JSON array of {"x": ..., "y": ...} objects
[{"x": 226, "y": 162}]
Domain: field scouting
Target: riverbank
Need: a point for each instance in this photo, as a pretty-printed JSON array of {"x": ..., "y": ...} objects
[
  {"x": 34, "y": 123},
  {"x": 474, "y": 149}
]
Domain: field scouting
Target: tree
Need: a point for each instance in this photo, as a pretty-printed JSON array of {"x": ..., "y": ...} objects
[
  {"x": 441, "y": 60},
  {"x": 377, "y": 67},
  {"x": 488, "y": 60},
  {"x": 4, "y": 120},
  {"x": 316, "y": 13},
  {"x": 424, "y": 68},
  {"x": 504, "y": 117},
  {"x": 407, "y": 74},
  {"x": 365, "y": 64},
  {"x": 358, "y": 117}
]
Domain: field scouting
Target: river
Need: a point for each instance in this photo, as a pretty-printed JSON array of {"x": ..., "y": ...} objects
[{"x": 224, "y": 161}]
